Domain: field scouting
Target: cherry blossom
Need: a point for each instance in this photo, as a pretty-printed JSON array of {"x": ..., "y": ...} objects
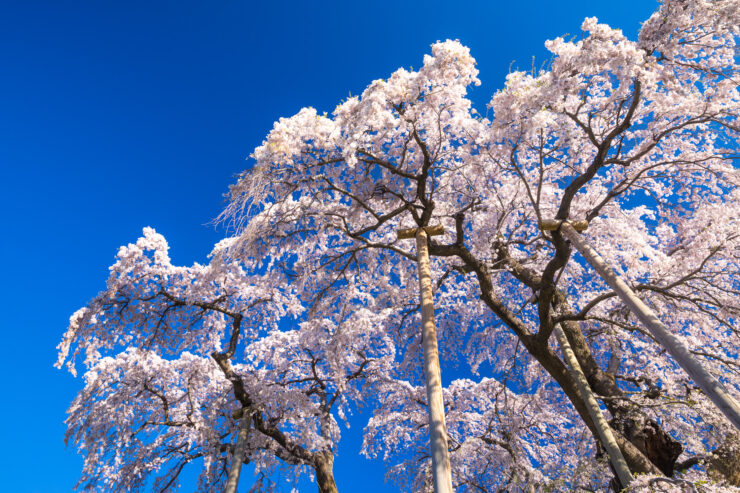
[
  {"x": 633, "y": 136},
  {"x": 312, "y": 305},
  {"x": 176, "y": 355}
]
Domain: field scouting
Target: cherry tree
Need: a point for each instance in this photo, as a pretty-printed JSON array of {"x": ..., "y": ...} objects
[
  {"x": 315, "y": 298},
  {"x": 636, "y": 137},
  {"x": 176, "y": 355}
]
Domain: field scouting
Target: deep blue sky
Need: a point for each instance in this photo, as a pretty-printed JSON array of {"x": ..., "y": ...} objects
[{"x": 120, "y": 115}]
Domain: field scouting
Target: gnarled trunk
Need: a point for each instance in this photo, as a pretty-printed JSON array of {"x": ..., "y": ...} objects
[
  {"x": 324, "y": 466},
  {"x": 724, "y": 463},
  {"x": 643, "y": 432}
]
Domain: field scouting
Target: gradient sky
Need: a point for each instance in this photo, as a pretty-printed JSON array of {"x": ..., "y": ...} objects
[{"x": 120, "y": 115}]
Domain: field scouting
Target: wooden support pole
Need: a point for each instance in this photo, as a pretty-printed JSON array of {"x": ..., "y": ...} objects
[
  {"x": 441, "y": 471},
  {"x": 236, "y": 462},
  {"x": 554, "y": 224},
  {"x": 712, "y": 387},
  {"x": 407, "y": 234},
  {"x": 606, "y": 437}
]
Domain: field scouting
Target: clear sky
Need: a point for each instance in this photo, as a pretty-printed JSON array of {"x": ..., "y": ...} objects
[{"x": 120, "y": 115}]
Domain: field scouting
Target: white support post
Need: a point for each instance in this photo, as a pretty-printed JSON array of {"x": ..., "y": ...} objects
[
  {"x": 606, "y": 437},
  {"x": 441, "y": 471},
  {"x": 236, "y": 463},
  {"x": 712, "y": 387}
]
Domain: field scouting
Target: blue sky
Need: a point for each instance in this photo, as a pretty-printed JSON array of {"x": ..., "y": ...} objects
[{"x": 120, "y": 115}]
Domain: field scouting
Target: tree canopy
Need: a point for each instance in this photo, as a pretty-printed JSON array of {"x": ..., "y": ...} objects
[{"x": 311, "y": 306}]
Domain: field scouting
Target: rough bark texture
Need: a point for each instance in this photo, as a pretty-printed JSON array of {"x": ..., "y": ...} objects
[
  {"x": 650, "y": 439},
  {"x": 711, "y": 387},
  {"x": 324, "y": 465},
  {"x": 644, "y": 433},
  {"x": 724, "y": 463}
]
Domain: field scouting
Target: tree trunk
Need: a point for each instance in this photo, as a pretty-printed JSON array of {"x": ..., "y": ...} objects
[
  {"x": 724, "y": 463},
  {"x": 713, "y": 389},
  {"x": 636, "y": 459},
  {"x": 605, "y": 432},
  {"x": 643, "y": 432},
  {"x": 324, "y": 466}
]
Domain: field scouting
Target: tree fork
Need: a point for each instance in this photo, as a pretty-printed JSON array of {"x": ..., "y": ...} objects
[{"x": 636, "y": 459}]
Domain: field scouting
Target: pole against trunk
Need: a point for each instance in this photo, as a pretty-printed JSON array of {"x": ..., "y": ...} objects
[
  {"x": 241, "y": 442},
  {"x": 605, "y": 432},
  {"x": 712, "y": 387},
  {"x": 432, "y": 374}
]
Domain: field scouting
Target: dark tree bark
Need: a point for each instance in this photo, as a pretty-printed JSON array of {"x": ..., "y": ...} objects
[{"x": 324, "y": 466}]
